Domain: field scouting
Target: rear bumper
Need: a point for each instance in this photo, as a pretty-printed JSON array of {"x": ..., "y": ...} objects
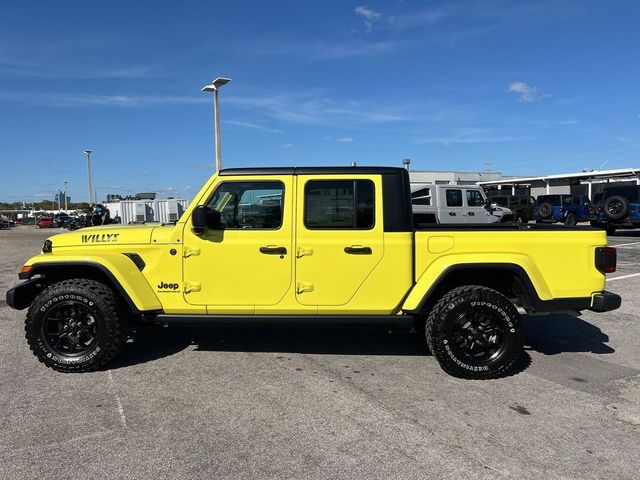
[{"x": 605, "y": 302}]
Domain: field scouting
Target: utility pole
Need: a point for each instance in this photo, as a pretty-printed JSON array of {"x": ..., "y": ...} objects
[
  {"x": 66, "y": 208},
  {"x": 489, "y": 165},
  {"x": 214, "y": 87},
  {"x": 88, "y": 154}
]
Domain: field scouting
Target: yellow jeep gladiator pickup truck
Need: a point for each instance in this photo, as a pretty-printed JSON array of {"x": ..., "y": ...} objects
[{"x": 331, "y": 245}]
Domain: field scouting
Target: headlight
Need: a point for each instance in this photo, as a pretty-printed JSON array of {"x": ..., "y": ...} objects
[{"x": 47, "y": 246}]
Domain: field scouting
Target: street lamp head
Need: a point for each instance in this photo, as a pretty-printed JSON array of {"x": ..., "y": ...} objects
[
  {"x": 216, "y": 84},
  {"x": 88, "y": 152}
]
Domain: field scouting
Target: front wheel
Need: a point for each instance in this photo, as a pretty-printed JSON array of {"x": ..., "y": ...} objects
[
  {"x": 474, "y": 332},
  {"x": 75, "y": 326}
]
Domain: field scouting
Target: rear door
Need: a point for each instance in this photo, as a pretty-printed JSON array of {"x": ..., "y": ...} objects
[
  {"x": 451, "y": 208},
  {"x": 339, "y": 238}
]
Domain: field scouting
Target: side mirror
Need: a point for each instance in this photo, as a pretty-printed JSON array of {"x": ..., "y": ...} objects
[
  {"x": 199, "y": 219},
  {"x": 203, "y": 218},
  {"x": 488, "y": 206}
]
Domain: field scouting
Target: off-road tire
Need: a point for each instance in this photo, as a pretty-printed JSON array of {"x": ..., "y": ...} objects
[
  {"x": 86, "y": 296},
  {"x": 478, "y": 301},
  {"x": 570, "y": 220},
  {"x": 616, "y": 207},
  {"x": 545, "y": 210}
]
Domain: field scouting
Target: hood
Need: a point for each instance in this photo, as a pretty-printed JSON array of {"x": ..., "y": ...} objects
[{"x": 105, "y": 235}]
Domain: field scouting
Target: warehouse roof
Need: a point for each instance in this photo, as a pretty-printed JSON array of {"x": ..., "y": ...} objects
[{"x": 618, "y": 173}]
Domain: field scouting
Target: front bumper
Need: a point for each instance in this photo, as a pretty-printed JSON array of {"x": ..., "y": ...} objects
[
  {"x": 21, "y": 296},
  {"x": 605, "y": 302}
]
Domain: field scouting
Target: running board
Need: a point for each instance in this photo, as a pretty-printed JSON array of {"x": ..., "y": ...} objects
[{"x": 386, "y": 320}]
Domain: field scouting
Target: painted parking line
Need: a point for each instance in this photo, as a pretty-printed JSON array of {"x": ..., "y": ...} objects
[
  {"x": 622, "y": 277},
  {"x": 624, "y": 244}
]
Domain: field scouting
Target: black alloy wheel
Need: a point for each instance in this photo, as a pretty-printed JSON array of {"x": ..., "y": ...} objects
[
  {"x": 70, "y": 328},
  {"x": 477, "y": 336},
  {"x": 76, "y": 325},
  {"x": 616, "y": 207},
  {"x": 474, "y": 332}
]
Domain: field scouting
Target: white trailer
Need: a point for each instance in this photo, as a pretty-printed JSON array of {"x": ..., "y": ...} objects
[{"x": 140, "y": 211}]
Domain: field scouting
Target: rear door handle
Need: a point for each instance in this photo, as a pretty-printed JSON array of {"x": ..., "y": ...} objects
[
  {"x": 358, "y": 250},
  {"x": 472, "y": 214},
  {"x": 453, "y": 214},
  {"x": 273, "y": 250}
]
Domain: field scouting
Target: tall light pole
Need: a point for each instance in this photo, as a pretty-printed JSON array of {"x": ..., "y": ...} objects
[
  {"x": 214, "y": 87},
  {"x": 66, "y": 208},
  {"x": 88, "y": 154}
]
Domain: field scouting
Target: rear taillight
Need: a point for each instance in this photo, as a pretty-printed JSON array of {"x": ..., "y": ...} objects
[{"x": 606, "y": 259}]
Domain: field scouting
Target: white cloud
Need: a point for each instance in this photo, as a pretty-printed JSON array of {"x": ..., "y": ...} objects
[
  {"x": 368, "y": 15},
  {"x": 254, "y": 126},
  {"x": 344, "y": 140},
  {"x": 287, "y": 145},
  {"x": 527, "y": 93}
]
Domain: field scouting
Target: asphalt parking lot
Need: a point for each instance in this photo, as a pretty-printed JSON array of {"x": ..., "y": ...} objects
[{"x": 326, "y": 402}]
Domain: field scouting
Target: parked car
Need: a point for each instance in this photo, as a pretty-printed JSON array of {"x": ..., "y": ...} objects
[
  {"x": 45, "y": 222},
  {"x": 522, "y": 206},
  {"x": 60, "y": 219},
  {"x": 5, "y": 224},
  {"x": 567, "y": 209},
  {"x": 455, "y": 204},
  {"x": 618, "y": 207}
]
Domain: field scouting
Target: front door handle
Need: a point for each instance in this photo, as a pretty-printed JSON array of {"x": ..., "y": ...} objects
[
  {"x": 453, "y": 214},
  {"x": 358, "y": 250},
  {"x": 472, "y": 214},
  {"x": 273, "y": 250}
]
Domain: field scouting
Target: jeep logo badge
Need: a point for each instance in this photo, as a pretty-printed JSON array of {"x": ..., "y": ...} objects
[{"x": 168, "y": 286}]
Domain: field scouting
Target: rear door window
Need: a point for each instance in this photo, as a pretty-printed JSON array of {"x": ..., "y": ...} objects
[
  {"x": 454, "y": 198},
  {"x": 339, "y": 204}
]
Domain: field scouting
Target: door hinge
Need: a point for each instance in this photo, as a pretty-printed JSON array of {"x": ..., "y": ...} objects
[
  {"x": 301, "y": 252},
  {"x": 192, "y": 287},
  {"x": 188, "y": 251},
  {"x": 302, "y": 287}
]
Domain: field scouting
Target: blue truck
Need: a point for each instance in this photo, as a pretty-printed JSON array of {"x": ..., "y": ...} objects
[
  {"x": 567, "y": 209},
  {"x": 617, "y": 207}
]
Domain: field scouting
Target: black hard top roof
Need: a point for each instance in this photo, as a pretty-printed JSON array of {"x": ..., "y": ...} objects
[{"x": 310, "y": 170}]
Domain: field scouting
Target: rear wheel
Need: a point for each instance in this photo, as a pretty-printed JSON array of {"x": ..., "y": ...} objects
[
  {"x": 570, "y": 220},
  {"x": 75, "y": 326},
  {"x": 474, "y": 332}
]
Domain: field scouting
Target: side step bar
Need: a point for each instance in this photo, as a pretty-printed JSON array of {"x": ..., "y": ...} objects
[{"x": 386, "y": 320}]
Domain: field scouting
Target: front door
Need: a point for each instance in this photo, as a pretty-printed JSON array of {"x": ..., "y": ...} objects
[
  {"x": 247, "y": 261},
  {"x": 476, "y": 209},
  {"x": 339, "y": 238}
]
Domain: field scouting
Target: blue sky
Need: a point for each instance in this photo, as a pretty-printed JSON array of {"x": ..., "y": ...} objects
[{"x": 537, "y": 87}]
